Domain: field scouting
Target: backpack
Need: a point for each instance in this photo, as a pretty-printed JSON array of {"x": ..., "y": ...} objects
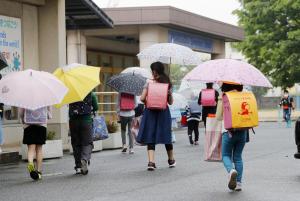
[
  {"x": 208, "y": 97},
  {"x": 82, "y": 107},
  {"x": 240, "y": 110},
  {"x": 286, "y": 102},
  {"x": 38, "y": 116},
  {"x": 195, "y": 108},
  {"x": 157, "y": 97},
  {"x": 127, "y": 102}
]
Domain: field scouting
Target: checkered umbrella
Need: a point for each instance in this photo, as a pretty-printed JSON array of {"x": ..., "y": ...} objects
[{"x": 128, "y": 83}]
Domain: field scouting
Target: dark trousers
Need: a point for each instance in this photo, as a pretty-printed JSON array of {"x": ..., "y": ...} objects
[
  {"x": 169, "y": 147},
  {"x": 82, "y": 140},
  {"x": 193, "y": 125}
]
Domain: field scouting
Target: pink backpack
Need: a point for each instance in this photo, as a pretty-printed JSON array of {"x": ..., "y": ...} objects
[
  {"x": 208, "y": 97},
  {"x": 127, "y": 101},
  {"x": 157, "y": 97}
]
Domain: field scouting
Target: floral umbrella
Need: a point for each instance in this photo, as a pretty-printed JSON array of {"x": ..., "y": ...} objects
[
  {"x": 228, "y": 70},
  {"x": 170, "y": 53}
]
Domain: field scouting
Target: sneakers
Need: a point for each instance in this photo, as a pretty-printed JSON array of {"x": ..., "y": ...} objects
[
  {"x": 33, "y": 173},
  {"x": 124, "y": 149},
  {"x": 84, "y": 168},
  {"x": 151, "y": 166},
  {"x": 196, "y": 143},
  {"x": 232, "y": 179},
  {"x": 131, "y": 151},
  {"x": 77, "y": 170},
  {"x": 297, "y": 155},
  {"x": 238, "y": 186},
  {"x": 172, "y": 163}
]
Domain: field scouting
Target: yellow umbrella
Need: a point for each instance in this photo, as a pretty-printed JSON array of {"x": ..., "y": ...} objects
[{"x": 80, "y": 80}]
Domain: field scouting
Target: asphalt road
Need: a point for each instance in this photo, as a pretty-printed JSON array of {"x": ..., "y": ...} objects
[{"x": 270, "y": 174}]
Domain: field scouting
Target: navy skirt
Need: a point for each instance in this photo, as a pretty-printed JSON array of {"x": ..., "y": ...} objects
[{"x": 155, "y": 127}]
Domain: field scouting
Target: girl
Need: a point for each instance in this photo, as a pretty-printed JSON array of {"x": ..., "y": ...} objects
[
  {"x": 35, "y": 132},
  {"x": 233, "y": 143},
  {"x": 155, "y": 127}
]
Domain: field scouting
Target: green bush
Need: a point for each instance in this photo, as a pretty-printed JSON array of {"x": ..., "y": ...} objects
[
  {"x": 112, "y": 126},
  {"x": 51, "y": 135}
]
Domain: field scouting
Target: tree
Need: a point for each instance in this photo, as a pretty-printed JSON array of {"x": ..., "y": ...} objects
[{"x": 272, "y": 38}]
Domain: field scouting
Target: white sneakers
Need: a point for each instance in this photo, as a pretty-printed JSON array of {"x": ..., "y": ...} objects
[
  {"x": 131, "y": 151},
  {"x": 238, "y": 186},
  {"x": 232, "y": 179}
]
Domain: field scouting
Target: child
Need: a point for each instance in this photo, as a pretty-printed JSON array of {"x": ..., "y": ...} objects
[
  {"x": 35, "y": 132},
  {"x": 193, "y": 111},
  {"x": 155, "y": 127}
]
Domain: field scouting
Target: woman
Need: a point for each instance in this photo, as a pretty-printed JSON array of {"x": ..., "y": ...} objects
[
  {"x": 35, "y": 132},
  {"x": 233, "y": 143},
  {"x": 155, "y": 126}
]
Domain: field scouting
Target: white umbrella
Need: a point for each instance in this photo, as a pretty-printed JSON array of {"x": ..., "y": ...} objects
[
  {"x": 31, "y": 89},
  {"x": 191, "y": 89},
  {"x": 170, "y": 53},
  {"x": 179, "y": 102},
  {"x": 138, "y": 70}
]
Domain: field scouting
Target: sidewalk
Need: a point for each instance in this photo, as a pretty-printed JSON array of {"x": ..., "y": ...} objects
[{"x": 275, "y": 115}]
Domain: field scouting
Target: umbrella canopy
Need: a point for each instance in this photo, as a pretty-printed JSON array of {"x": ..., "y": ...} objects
[
  {"x": 31, "y": 89},
  {"x": 127, "y": 83},
  {"x": 80, "y": 80},
  {"x": 140, "y": 71},
  {"x": 190, "y": 88},
  {"x": 170, "y": 53},
  {"x": 179, "y": 102},
  {"x": 228, "y": 70},
  {"x": 3, "y": 62}
]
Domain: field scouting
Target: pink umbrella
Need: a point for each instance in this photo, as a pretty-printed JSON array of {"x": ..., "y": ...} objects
[{"x": 228, "y": 70}]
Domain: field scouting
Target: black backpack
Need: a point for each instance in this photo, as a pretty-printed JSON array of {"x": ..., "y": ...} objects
[{"x": 82, "y": 107}]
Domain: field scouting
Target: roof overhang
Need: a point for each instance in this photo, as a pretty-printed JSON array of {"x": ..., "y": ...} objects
[
  {"x": 176, "y": 18},
  {"x": 85, "y": 14}
]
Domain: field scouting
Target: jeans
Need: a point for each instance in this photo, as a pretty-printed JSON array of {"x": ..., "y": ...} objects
[
  {"x": 126, "y": 122},
  {"x": 287, "y": 114},
  {"x": 232, "y": 149}
]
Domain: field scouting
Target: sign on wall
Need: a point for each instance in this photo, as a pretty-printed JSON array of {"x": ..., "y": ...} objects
[
  {"x": 191, "y": 40},
  {"x": 11, "y": 43}
]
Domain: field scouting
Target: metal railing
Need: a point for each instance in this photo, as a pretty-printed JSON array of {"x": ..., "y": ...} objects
[{"x": 102, "y": 102}]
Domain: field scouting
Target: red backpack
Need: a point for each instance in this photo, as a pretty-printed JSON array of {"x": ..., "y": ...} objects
[{"x": 127, "y": 102}]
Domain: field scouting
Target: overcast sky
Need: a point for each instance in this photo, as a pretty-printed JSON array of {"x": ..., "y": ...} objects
[{"x": 216, "y": 9}]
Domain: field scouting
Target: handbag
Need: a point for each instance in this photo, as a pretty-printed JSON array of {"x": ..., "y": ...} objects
[
  {"x": 213, "y": 140},
  {"x": 135, "y": 126},
  {"x": 99, "y": 128}
]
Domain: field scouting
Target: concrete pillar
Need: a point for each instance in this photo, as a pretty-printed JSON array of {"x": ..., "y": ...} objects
[
  {"x": 52, "y": 54},
  {"x": 219, "y": 50},
  {"x": 149, "y": 35},
  {"x": 76, "y": 47}
]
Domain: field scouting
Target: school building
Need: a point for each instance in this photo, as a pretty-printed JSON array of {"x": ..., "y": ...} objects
[{"x": 46, "y": 34}]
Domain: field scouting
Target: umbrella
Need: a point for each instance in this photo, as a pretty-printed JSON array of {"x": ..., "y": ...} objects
[
  {"x": 3, "y": 62},
  {"x": 31, "y": 89},
  {"x": 170, "y": 53},
  {"x": 179, "y": 102},
  {"x": 80, "y": 80},
  {"x": 228, "y": 70},
  {"x": 127, "y": 83},
  {"x": 190, "y": 88},
  {"x": 138, "y": 70}
]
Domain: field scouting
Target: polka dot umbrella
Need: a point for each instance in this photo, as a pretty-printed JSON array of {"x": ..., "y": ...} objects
[{"x": 128, "y": 83}]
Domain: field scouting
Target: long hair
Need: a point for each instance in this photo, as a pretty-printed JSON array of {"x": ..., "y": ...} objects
[
  {"x": 229, "y": 87},
  {"x": 158, "y": 67}
]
